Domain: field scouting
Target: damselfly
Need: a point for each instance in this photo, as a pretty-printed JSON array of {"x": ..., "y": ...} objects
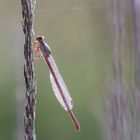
[{"x": 60, "y": 90}]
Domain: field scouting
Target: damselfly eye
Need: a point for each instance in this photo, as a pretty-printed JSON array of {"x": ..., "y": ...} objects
[{"x": 40, "y": 38}]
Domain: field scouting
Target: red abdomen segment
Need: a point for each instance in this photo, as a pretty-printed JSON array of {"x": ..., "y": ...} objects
[{"x": 74, "y": 120}]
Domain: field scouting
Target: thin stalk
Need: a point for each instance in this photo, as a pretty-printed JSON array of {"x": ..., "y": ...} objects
[{"x": 30, "y": 106}]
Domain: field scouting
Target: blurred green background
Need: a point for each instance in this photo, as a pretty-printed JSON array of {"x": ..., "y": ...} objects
[{"x": 79, "y": 34}]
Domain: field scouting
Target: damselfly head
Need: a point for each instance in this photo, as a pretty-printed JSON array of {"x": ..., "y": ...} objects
[{"x": 40, "y": 38}]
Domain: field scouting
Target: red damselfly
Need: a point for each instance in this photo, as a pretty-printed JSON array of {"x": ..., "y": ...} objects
[{"x": 60, "y": 90}]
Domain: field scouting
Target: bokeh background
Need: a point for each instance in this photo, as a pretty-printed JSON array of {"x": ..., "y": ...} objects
[{"x": 80, "y": 34}]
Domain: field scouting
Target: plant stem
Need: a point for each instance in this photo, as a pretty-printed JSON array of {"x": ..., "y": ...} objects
[{"x": 30, "y": 106}]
